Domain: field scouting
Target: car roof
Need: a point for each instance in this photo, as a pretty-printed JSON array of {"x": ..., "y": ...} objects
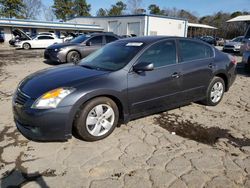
[{"x": 147, "y": 39}]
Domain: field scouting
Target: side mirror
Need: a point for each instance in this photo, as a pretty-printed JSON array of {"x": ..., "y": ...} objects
[
  {"x": 88, "y": 43},
  {"x": 143, "y": 66}
]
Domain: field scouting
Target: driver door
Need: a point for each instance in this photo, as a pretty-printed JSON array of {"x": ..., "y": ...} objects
[
  {"x": 157, "y": 89},
  {"x": 93, "y": 44}
]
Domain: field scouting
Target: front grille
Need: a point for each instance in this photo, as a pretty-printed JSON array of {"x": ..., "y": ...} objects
[
  {"x": 229, "y": 46},
  {"x": 21, "y": 98}
]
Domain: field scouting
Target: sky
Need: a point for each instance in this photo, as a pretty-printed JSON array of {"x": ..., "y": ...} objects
[{"x": 200, "y": 7}]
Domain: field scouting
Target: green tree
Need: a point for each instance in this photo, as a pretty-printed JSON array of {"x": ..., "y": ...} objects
[
  {"x": 81, "y": 8},
  {"x": 63, "y": 9},
  {"x": 12, "y": 8},
  {"x": 102, "y": 12},
  {"x": 117, "y": 9},
  {"x": 154, "y": 9}
]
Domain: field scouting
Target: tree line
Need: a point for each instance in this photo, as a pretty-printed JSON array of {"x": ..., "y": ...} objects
[{"x": 66, "y": 9}]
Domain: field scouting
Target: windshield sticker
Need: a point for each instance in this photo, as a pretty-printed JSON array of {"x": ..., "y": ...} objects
[{"x": 134, "y": 44}]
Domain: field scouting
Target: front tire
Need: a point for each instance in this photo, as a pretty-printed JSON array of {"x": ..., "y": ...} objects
[
  {"x": 215, "y": 92},
  {"x": 26, "y": 46},
  {"x": 73, "y": 57},
  {"x": 97, "y": 119}
]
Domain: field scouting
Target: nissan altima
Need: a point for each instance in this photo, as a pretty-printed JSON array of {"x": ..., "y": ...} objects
[{"x": 124, "y": 80}]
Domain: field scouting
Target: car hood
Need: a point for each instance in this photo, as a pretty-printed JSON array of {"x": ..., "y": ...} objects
[
  {"x": 43, "y": 81},
  {"x": 231, "y": 43},
  {"x": 62, "y": 45},
  {"x": 21, "y": 34}
]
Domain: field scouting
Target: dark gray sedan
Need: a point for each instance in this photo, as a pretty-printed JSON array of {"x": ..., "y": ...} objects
[
  {"x": 122, "y": 81},
  {"x": 77, "y": 48}
]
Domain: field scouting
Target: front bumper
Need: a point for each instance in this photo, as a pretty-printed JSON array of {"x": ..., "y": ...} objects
[
  {"x": 53, "y": 56},
  {"x": 43, "y": 125},
  {"x": 231, "y": 49}
]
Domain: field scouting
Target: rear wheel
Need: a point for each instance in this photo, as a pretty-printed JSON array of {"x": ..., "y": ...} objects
[
  {"x": 215, "y": 92},
  {"x": 26, "y": 46},
  {"x": 73, "y": 57},
  {"x": 97, "y": 119}
]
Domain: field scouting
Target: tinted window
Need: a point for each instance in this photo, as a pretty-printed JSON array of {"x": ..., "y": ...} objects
[
  {"x": 160, "y": 54},
  {"x": 79, "y": 39},
  {"x": 113, "y": 56},
  {"x": 45, "y": 37},
  {"x": 190, "y": 50},
  {"x": 110, "y": 39},
  {"x": 96, "y": 40}
]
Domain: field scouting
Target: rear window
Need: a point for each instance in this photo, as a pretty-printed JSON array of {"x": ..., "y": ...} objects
[{"x": 191, "y": 50}]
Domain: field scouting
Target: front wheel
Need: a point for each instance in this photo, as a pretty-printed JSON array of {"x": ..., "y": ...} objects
[
  {"x": 215, "y": 92},
  {"x": 26, "y": 46},
  {"x": 73, "y": 57},
  {"x": 97, "y": 119}
]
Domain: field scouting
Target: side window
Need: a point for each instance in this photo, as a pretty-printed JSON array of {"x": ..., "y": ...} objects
[
  {"x": 45, "y": 38},
  {"x": 160, "y": 54},
  {"x": 110, "y": 39},
  {"x": 96, "y": 40},
  {"x": 190, "y": 50}
]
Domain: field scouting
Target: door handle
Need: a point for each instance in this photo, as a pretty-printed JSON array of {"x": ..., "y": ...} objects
[
  {"x": 210, "y": 65},
  {"x": 175, "y": 75}
]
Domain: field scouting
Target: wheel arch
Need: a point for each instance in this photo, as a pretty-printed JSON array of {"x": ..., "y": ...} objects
[
  {"x": 83, "y": 100},
  {"x": 225, "y": 79},
  {"x": 73, "y": 50}
]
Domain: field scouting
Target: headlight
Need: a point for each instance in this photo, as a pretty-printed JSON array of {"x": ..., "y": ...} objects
[
  {"x": 237, "y": 46},
  {"x": 52, "y": 98},
  {"x": 57, "y": 49}
]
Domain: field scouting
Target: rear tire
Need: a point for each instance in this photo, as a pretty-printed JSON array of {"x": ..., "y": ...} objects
[
  {"x": 215, "y": 92},
  {"x": 97, "y": 119},
  {"x": 73, "y": 57},
  {"x": 26, "y": 46}
]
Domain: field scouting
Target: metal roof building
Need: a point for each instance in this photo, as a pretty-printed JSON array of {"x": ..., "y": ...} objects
[{"x": 35, "y": 26}]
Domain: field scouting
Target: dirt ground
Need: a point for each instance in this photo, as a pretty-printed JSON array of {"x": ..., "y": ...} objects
[{"x": 192, "y": 146}]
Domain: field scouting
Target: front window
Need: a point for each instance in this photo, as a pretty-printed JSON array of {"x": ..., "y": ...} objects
[
  {"x": 79, "y": 39},
  {"x": 112, "y": 57}
]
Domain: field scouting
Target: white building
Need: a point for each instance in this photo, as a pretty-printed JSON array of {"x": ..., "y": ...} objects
[{"x": 139, "y": 25}]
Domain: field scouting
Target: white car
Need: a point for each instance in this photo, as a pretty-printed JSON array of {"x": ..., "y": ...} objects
[{"x": 40, "y": 41}]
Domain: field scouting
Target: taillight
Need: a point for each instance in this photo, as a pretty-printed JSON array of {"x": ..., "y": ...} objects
[{"x": 233, "y": 59}]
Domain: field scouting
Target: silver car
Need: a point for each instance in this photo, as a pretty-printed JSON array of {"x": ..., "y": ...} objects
[
  {"x": 234, "y": 44},
  {"x": 77, "y": 48}
]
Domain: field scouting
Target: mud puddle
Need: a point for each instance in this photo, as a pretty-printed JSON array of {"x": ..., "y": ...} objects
[{"x": 197, "y": 132}]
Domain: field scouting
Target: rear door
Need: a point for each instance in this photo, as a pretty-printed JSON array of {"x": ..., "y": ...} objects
[
  {"x": 197, "y": 66},
  {"x": 159, "y": 88}
]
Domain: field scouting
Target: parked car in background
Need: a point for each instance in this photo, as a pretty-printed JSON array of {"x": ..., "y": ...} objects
[
  {"x": 124, "y": 80},
  {"x": 219, "y": 41},
  {"x": 40, "y": 41},
  {"x": 209, "y": 39},
  {"x": 233, "y": 45},
  {"x": 19, "y": 36},
  {"x": 245, "y": 49},
  {"x": 1, "y": 37},
  {"x": 78, "y": 48}
]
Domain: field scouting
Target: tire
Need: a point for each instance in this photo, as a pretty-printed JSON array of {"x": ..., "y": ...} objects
[
  {"x": 90, "y": 121},
  {"x": 73, "y": 57},
  {"x": 26, "y": 46},
  {"x": 213, "y": 95}
]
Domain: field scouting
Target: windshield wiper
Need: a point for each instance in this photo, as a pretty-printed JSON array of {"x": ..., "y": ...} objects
[{"x": 96, "y": 68}]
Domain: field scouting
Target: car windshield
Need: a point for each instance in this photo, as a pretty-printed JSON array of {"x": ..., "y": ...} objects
[
  {"x": 237, "y": 39},
  {"x": 113, "y": 56},
  {"x": 80, "y": 39}
]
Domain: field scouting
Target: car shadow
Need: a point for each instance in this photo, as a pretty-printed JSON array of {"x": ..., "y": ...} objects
[{"x": 53, "y": 63}]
